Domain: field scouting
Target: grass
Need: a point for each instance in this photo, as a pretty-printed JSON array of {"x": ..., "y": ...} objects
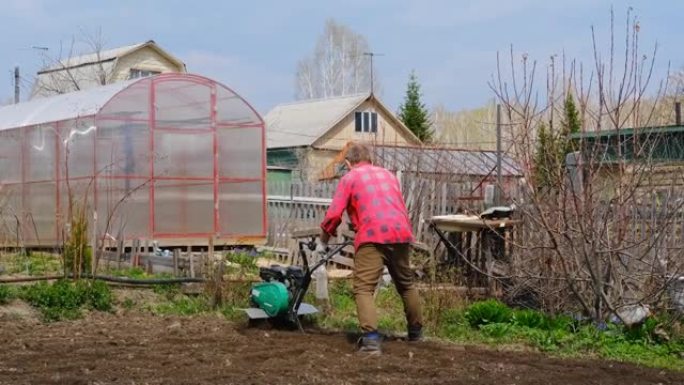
[
  {"x": 656, "y": 343},
  {"x": 493, "y": 323},
  {"x": 32, "y": 264},
  {"x": 7, "y": 294}
]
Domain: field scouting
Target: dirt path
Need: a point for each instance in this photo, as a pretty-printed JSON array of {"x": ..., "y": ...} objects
[{"x": 142, "y": 349}]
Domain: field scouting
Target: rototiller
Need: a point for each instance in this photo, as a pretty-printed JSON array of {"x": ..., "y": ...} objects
[{"x": 278, "y": 298}]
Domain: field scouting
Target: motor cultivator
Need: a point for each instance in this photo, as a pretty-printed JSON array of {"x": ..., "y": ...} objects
[{"x": 278, "y": 298}]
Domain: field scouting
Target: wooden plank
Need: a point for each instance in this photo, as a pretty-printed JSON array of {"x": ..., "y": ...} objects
[
  {"x": 346, "y": 261},
  {"x": 176, "y": 258},
  {"x": 306, "y": 232},
  {"x": 192, "y": 262}
]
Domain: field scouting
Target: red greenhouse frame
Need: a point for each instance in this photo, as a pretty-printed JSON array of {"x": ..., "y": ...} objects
[{"x": 177, "y": 158}]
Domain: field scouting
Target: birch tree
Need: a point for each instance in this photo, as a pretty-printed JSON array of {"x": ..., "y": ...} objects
[{"x": 338, "y": 65}]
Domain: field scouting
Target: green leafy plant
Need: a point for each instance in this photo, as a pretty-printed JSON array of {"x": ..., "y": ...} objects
[
  {"x": 496, "y": 330},
  {"x": 6, "y": 294},
  {"x": 488, "y": 312},
  {"x": 185, "y": 306},
  {"x": 529, "y": 318},
  {"x": 65, "y": 299},
  {"x": 98, "y": 295},
  {"x": 244, "y": 260}
]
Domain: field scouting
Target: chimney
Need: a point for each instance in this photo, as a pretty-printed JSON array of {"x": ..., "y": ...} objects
[{"x": 678, "y": 113}]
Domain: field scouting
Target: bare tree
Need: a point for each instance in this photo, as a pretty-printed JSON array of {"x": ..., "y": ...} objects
[
  {"x": 338, "y": 66},
  {"x": 79, "y": 65},
  {"x": 601, "y": 238}
]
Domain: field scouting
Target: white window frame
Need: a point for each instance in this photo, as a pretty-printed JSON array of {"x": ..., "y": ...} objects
[
  {"x": 366, "y": 128},
  {"x": 137, "y": 73}
]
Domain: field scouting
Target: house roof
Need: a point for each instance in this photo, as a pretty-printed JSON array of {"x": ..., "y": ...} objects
[
  {"x": 628, "y": 131},
  {"x": 432, "y": 160},
  {"x": 106, "y": 56},
  {"x": 59, "y": 107},
  {"x": 301, "y": 123}
]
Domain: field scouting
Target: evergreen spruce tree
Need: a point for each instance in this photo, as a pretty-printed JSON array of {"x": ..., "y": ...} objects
[
  {"x": 570, "y": 125},
  {"x": 544, "y": 157},
  {"x": 413, "y": 112},
  {"x": 553, "y": 146}
]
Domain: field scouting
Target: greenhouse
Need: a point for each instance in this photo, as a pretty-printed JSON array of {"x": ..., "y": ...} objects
[{"x": 176, "y": 158}]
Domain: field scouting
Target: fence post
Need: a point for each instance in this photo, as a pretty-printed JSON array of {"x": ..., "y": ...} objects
[
  {"x": 176, "y": 257},
  {"x": 192, "y": 262}
]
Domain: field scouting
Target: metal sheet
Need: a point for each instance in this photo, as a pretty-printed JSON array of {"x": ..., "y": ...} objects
[
  {"x": 255, "y": 313},
  {"x": 306, "y": 308}
]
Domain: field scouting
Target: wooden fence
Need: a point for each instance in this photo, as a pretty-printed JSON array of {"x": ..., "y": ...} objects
[{"x": 295, "y": 206}]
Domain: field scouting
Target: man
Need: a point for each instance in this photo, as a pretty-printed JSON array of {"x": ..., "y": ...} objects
[{"x": 372, "y": 198}]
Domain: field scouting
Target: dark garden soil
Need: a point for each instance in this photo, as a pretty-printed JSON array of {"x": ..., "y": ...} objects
[{"x": 145, "y": 349}]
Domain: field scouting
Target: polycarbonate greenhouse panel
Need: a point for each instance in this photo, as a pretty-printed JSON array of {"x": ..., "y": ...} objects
[{"x": 177, "y": 158}]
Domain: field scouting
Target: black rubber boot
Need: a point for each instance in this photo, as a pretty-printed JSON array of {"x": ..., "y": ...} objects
[{"x": 415, "y": 333}]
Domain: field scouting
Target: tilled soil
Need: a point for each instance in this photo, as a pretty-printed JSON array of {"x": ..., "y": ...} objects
[{"x": 144, "y": 349}]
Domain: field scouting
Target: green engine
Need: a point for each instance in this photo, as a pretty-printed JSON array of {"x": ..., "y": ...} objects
[
  {"x": 272, "y": 297},
  {"x": 275, "y": 293}
]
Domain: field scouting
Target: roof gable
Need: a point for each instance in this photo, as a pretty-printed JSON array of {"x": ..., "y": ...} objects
[
  {"x": 107, "y": 56},
  {"x": 302, "y": 123}
]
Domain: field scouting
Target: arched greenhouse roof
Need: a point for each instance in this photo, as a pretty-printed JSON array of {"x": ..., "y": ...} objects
[{"x": 89, "y": 102}]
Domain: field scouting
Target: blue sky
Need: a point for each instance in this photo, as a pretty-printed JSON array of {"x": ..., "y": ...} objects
[{"x": 253, "y": 46}]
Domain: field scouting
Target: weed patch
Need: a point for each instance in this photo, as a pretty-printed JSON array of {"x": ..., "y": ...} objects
[{"x": 65, "y": 299}]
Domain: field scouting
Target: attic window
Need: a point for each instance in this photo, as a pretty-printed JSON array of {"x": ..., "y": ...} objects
[
  {"x": 136, "y": 73},
  {"x": 366, "y": 121}
]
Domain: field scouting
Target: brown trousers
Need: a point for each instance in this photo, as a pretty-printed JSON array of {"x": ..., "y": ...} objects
[{"x": 368, "y": 266}]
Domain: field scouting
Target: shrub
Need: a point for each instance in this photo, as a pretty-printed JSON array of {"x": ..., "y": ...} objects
[
  {"x": 529, "y": 318},
  {"x": 78, "y": 255},
  {"x": 244, "y": 260},
  {"x": 488, "y": 312},
  {"x": 6, "y": 294},
  {"x": 98, "y": 296},
  {"x": 64, "y": 299}
]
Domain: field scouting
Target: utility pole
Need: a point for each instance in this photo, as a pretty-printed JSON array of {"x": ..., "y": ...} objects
[
  {"x": 499, "y": 184},
  {"x": 16, "y": 84},
  {"x": 371, "y": 54}
]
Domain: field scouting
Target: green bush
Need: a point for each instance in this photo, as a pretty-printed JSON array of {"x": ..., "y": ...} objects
[
  {"x": 529, "y": 318},
  {"x": 6, "y": 294},
  {"x": 496, "y": 330},
  {"x": 99, "y": 297},
  {"x": 488, "y": 312},
  {"x": 65, "y": 299},
  {"x": 244, "y": 260},
  {"x": 644, "y": 332}
]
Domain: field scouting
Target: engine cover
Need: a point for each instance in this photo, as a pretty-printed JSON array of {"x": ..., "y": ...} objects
[{"x": 272, "y": 297}]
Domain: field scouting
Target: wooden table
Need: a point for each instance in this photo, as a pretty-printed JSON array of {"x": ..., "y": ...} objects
[{"x": 475, "y": 246}]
